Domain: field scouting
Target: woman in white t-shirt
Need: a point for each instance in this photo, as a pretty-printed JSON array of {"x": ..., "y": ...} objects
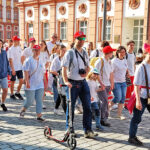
[
  {"x": 44, "y": 57},
  {"x": 120, "y": 69},
  {"x": 34, "y": 84}
]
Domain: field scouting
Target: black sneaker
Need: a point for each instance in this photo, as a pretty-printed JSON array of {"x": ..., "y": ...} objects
[
  {"x": 4, "y": 107},
  {"x": 135, "y": 141},
  {"x": 40, "y": 119},
  {"x": 104, "y": 123},
  {"x": 19, "y": 96},
  {"x": 13, "y": 97}
]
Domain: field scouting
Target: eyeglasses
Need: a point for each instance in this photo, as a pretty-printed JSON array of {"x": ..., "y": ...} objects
[{"x": 81, "y": 38}]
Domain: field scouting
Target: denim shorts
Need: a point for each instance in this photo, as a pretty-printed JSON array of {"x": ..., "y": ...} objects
[
  {"x": 120, "y": 92},
  {"x": 4, "y": 83}
]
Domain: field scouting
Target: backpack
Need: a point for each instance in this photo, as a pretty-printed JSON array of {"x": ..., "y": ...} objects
[
  {"x": 71, "y": 57},
  {"x": 93, "y": 61}
]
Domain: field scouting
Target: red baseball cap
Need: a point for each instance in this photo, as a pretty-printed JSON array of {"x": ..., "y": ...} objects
[
  {"x": 79, "y": 34},
  {"x": 108, "y": 49},
  {"x": 32, "y": 39},
  {"x": 36, "y": 47},
  {"x": 147, "y": 50},
  {"x": 16, "y": 38}
]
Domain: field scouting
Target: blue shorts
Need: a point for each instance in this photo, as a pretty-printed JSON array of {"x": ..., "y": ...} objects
[
  {"x": 119, "y": 92},
  {"x": 4, "y": 83}
]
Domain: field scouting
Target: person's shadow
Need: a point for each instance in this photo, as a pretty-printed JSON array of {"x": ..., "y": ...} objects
[{"x": 9, "y": 130}]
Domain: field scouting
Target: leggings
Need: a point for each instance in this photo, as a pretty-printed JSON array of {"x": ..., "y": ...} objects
[{"x": 61, "y": 100}]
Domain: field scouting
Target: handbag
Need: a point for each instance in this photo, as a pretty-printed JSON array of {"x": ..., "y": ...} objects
[
  {"x": 24, "y": 81},
  {"x": 147, "y": 88},
  {"x": 131, "y": 103},
  {"x": 128, "y": 81}
]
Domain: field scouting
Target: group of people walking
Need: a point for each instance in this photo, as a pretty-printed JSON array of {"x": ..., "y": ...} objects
[{"x": 90, "y": 75}]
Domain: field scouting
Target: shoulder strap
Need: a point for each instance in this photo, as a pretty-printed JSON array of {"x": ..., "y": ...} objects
[
  {"x": 35, "y": 69},
  {"x": 146, "y": 79},
  {"x": 82, "y": 57},
  {"x": 97, "y": 53},
  {"x": 71, "y": 58}
]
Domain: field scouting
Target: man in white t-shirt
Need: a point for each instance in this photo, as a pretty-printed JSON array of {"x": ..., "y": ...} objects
[
  {"x": 52, "y": 43},
  {"x": 28, "y": 51},
  {"x": 16, "y": 67},
  {"x": 99, "y": 52},
  {"x": 131, "y": 59},
  {"x": 75, "y": 67}
]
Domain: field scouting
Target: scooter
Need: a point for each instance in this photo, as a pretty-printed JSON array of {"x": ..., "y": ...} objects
[{"x": 69, "y": 136}]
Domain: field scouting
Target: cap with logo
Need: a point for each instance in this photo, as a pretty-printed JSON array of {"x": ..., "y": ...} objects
[
  {"x": 36, "y": 47},
  {"x": 32, "y": 39}
]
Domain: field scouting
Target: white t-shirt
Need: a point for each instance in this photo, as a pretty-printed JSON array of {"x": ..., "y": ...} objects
[
  {"x": 131, "y": 59},
  {"x": 119, "y": 68},
  {"x": 77, "y": 64},
  {"x": 93, "y": 85},
  {"x": 107, "y": 70},
  {"x": 139, "y": 78},
  {"x": 44, "y": 57},
  {"x": 50, "y": 46},
  {"x": 56, "y": 64},
  {"x": 15, "y": 55},
  {"x": 36, "y": 80},
  {"x": 94, "y": 53},
  {"x": 52, "y": 57},
  {"x": 27, "y": 52}
]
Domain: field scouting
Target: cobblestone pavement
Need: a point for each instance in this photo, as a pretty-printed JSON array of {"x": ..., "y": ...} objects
[{"x": 27, "y": 133}]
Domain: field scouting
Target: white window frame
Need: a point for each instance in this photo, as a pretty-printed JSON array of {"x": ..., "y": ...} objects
[
  {"x": 84, "y": 27},
  {"x": 64, "y": 28},
  {"x": 108, "y": 26},
  {"x": 139, "y": 34},
  {"x": 46, "y": 31},
  {"x": 9, "y": 35},
  {"x": 30, "y": 34}
]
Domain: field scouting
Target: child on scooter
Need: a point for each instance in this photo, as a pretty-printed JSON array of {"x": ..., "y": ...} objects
[{"x": 92, "y": 80}]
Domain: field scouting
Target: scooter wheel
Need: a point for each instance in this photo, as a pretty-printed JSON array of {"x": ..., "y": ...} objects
[
  {"x": 71, "y": 142},
  {"x": 47, "y": 132}
]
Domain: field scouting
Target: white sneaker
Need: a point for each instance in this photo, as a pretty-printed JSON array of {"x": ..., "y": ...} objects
[
  {"x": 44, "y": 107},
  {"x": 57, "y": 112},
  {"x": 121, "y": 117}
]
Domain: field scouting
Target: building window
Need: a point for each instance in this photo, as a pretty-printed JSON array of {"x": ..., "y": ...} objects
[
  {"x": 16, "y": 33},
  {"x": 1, "y": 34},
  {"x": 8, "y": 35},
  {"x": 30, "y": 30},
  {"x": 63, "y": 30},
  {"x": 15, "y": 15},
  {"x": 108, "y": 30},
  {"x": 83, "y": 27},
  {"x": 138, "y": 33},
  {"x": 45, "y": 31},
  {"x": 8, "y": 14}
]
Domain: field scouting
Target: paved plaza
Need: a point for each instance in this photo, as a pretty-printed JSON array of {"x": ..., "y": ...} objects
[{"x": 27, "y": 133}]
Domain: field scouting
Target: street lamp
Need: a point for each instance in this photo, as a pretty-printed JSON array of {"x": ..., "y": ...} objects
[{"x": 104, "y": 21}]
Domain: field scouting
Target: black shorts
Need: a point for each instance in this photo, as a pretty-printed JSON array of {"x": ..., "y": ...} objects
[{"x": 19, "y": 75}]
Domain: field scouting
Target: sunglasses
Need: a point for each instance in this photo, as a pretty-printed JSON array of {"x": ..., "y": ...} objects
[{"x": 81, "y": 38}]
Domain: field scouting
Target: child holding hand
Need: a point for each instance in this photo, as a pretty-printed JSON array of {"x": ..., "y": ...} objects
[{"x": 92, "y": 81}]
